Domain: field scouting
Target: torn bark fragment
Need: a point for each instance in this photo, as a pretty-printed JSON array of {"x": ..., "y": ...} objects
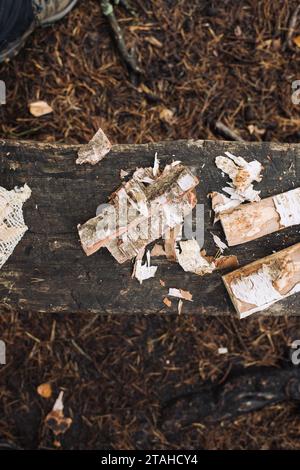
[
  {"x": 242, "y": 174},
  {"x": 157, "y": 251},
  {"x": 167, "y": 302},
  {"x": 95, "y": 150},
  {"x": 139, "y": 212},
  {"x": 144, "y": 271},
  {"x": 173, "y": 235},
  {"x": 254, "y": 220},
  {"x": 191, "y": 260},
  {"x": 221, "y": 245},
  {"x": 259, "y": 285},
  {"x": 12, "y": 225},
  {"x": 180, "y": 294}
]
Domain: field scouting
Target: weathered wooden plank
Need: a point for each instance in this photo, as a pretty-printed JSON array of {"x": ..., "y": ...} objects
[{"x": 49, "y": 272}]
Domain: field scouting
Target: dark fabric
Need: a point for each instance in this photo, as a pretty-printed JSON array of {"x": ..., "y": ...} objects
[{"x": 15, "y": 18}]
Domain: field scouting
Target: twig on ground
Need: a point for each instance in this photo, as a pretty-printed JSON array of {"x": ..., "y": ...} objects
[
  {"x": 227, "y": 132},
  {"x": 128, "y": 58}
]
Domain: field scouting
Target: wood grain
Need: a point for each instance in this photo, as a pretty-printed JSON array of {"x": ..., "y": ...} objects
[{"x": 49, "y": 272}]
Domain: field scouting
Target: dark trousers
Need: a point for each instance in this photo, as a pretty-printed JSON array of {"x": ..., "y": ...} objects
[{"x": 15, "y": 17}]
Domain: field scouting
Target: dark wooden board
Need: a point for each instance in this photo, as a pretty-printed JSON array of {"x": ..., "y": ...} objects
[{"x": 49, "y": 272}]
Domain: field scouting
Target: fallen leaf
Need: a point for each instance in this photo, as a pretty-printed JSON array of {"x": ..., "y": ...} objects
[
  {"x": 40, "y": 108},
  {"x": 166, "y": 115},
  {"x": 45, "y": 390},
  {"x": 296, "y": 41}
]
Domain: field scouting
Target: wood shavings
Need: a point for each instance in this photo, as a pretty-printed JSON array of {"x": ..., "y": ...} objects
[
  {"x": 180, "y": 294},
  {"x": 12, "y": 225},
  {"x": 242, "y": 174},
  {"x": 257, "y": 286},
  {"x": 144, "y": 271},
  {"x": 95, "y": 150},
  {"x": 150, "y": 211},
  {"x": 56, "y": 420},
  {"x": 221, "y": 245},
  {"x": 167, "y": 302}
]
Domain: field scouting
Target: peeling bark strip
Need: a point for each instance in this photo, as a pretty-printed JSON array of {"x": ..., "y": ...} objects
[
  {"x": 140, "y": 211},
  {"x": 254, "y": 220},
  {"x": 258, "y": 285}
]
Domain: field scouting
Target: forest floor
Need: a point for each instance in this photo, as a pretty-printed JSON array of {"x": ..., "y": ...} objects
[{"x": 203, "y": 61}]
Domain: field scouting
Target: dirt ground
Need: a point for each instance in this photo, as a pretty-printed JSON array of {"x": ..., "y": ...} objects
[{"x": 203, "y": 61}]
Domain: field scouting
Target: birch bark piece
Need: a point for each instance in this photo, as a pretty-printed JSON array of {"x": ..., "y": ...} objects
[
  {"x": 254, "y": 220},
  {"x": 95, "y": 150},
  {"x": 259, "y": 285},
  {"x": 139, "y": 213}
]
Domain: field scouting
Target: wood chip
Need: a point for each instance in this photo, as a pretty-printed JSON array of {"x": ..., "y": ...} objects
[
  {"x": 180, "y": 294},
  {"x": 180, "y": 305},
  {"x": 167, "y": 302}
]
